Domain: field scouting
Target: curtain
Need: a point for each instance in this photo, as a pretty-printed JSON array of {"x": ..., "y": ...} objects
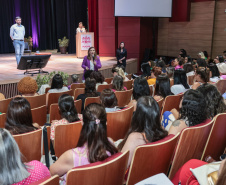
[
  {"x": 45, "y": 20},
  {"x": 93, "y": 21}
]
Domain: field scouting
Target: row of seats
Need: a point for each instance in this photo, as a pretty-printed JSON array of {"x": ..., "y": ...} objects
[{"x": 157, "y": 157}]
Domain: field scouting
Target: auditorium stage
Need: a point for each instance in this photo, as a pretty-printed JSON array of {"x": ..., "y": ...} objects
[{"x": 69, "y": 63}]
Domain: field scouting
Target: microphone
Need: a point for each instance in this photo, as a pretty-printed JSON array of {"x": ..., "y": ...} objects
[{"x": 93, "y": 57}]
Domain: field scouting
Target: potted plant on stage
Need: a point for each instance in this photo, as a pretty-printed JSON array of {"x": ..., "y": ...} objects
[
  {"x": 63, "y": 44},
  {"x": 29, "y": 41}
]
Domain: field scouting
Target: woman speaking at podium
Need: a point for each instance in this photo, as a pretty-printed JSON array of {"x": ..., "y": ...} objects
[
  {"x": 91, "y": 61},
  {"x": 80, "y": 28}
]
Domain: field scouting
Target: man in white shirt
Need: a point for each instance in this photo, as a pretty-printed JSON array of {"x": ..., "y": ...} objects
[{"x": 17, "y": 32}]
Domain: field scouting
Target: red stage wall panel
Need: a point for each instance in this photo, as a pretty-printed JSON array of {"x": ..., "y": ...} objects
[
  {"x": 106, "y": 21},
  {"x": 129, "y": 32}
]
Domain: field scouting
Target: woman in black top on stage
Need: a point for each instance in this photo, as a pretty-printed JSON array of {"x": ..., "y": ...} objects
[{"x": 121, "y": 55}]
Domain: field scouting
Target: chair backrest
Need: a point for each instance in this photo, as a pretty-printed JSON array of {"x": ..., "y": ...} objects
[
  {"x": 4, "y": 105},
  {"x": 160, "y": 102},
  {"x": 129, "y": 76},
  {"x": 104, "y": 86},
  {"x": 53, "y": 97},
  {"x": 123, "y": 97},
  {"x": 30, "y": 144},
  {"x": 216, "y": 143},
  {"x": 221, "y": 86},
  {"x": 54, "y": 113},
  {"x": 2, "y": 120},
  {"x": 36, "y": 101},
  {"x": 110, "y": 172},
  {"x": 78, "y": 85},
  {"x": 151, "y": 159},
  {"x": 54, "y": 180},
  {"x": 171, "y": 102},
  {"x": 118, "y": 123},
  {"x": 78, "y": 91},
  {"x": 66, "y": 137},
  {"x": 39, "y": 115},
  {"x": 128, "y": 84},
  {"x": 191, "y": 79},
  {"x": 90, "y": 100},
  {"x": 108, "y": 80},
  {"x": 190, "y": 145}
]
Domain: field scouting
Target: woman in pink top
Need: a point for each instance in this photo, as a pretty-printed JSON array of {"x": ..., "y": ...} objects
[
  {"x": 68, "y": 113},
  {"x": 13, "y": 170},
  {"x": 93, "y": 144},
  {"x": 178, "y": 63}
]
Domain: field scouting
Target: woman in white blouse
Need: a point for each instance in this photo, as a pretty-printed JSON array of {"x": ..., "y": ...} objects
[{"x": 80, "y": 28}]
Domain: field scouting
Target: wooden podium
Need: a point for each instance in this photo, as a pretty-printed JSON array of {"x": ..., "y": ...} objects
[{"x": 83, "y": 42}]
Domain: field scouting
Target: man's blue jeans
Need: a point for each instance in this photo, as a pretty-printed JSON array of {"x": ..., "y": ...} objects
[{"x": 19, "y": 49}]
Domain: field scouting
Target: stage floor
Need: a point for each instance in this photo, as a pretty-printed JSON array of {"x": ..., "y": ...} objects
[{"x": 68, "y": 63}]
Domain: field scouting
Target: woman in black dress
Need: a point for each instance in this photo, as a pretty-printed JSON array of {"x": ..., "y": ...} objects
[{"x": 121, "y": 55}]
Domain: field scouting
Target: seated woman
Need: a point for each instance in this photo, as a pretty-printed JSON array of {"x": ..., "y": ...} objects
[
  {"x": 155, "y": 72},
  {"x": 74, "y": 79},
  {"x": 162, "y": 89},
  {"x": 13, "y": 170},
  {"x": 214, "y": 71},
  {"x": 162, "y": 65},
  {"x": 185, "y": 176},
  {"x": 214, "y": 101},
  {"x": 178, "y": 63},
  {"x": 202, "y": 76},
  {"x": 140, "y": 89},
  {"x": 145, "y": 126},
  {"x": 90, "y": 91},
  {"x": 19, "y": 117},
  {"x": 109, "y": 100},
  {"x": 93, "y": 144},
  {"x": 119, "y": 71},
  {"x": 180, "y": 82},
  {"x": 27, "y": 86},
  {"x": 68, "y": 113},
  {"x": 188, "y": 68},
  {"x": 117, "y": 84},
  {"x": 98, "y": 77},
  {"x": 192, "y": 112},
  {"x": 57, "y": 84}
]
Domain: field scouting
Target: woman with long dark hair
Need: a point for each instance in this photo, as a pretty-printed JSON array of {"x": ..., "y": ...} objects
[
  {"x": 140, "y": 89},
  {"x": 214, "y": 101},
  {"x": 57, "y": 84},
  {"x": 180, "y": 82},
  {"x": 93, "y": 144},
  {"x": 145, "y": 126},
  {"x": 68, "y": 113},
  {"x": 121, "y": 55},
  {"x": 19, "y": 118},
  {"x": 162, "y": 88},
  {"x": 90, "y": 91},
  {"x": 13, "y": 170},
  {"x": 192, "y": 112},
  {"x": 91, "y": 61}
]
